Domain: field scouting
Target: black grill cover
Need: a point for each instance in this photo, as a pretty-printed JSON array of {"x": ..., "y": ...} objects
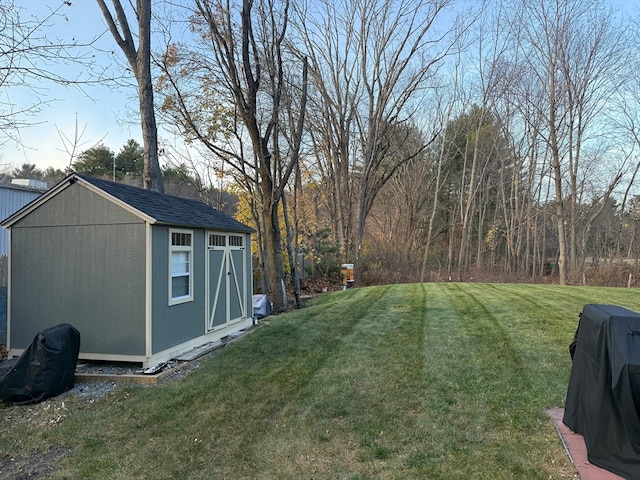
[
  {"x": 45, "y": 369},
  {"x": 603, "y": 396}
]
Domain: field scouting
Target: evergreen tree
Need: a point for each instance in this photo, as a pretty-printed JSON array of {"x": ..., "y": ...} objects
[
  {"x": 130, "y": 160},
  {"x": 98, "y": 161}
]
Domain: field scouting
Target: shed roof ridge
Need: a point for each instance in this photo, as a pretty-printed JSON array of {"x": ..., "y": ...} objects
[
  {"x": 140, "y": 190},
  {"x": 166, "y": 209}
]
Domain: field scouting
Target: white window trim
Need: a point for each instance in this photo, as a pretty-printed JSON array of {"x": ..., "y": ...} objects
[{"x": 180, "y": 248}]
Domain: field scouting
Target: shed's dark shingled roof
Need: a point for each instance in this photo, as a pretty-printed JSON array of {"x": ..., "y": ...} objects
[{"x": 168, "y": 209}]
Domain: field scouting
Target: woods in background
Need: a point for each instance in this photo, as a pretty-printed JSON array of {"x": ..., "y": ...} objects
[{"x": 420, "y": 140}]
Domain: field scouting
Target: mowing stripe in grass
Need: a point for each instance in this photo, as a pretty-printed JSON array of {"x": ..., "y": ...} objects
[
  {"x": 457, "y": 391},
  {"x": 274, "y": 363},
  {"x": 360, "y": 409},
  {"x": 491, "y": 414},
  {"x": 437, "y": 381}
]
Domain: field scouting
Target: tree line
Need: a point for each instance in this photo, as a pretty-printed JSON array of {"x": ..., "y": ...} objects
[
  {"x": 127, "y": 166},
  {"x": 419, "y": 140},
  {"x": 430, "y": 142}
]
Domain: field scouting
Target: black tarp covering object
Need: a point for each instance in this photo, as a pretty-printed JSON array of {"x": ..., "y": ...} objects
[
  {"x": 603, "y": 395},
  {"x": 45, "y": 369}
]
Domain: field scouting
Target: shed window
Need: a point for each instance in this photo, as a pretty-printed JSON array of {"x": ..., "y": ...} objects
[
  {"x": 217, "y": 240},
  {"x": 235, "y": 240},
  {"x": 180, "y": 267}
]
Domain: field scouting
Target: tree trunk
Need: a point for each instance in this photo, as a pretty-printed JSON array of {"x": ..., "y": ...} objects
[
  {"x": 560, "y": 222},
  {"x": 273, "y": 259},
  {"x": 152, "y": 174},
  {"x": 140, "y": 61}
]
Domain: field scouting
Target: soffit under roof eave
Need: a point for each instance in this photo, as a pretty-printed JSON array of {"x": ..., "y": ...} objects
[{"x": 213, "y": 228}]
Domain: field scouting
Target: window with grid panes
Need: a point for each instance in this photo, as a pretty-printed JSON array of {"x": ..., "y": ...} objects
[
  {"x": 217, "y": 240},
  {"x": 180, "y": 274},
  {"x": 235, "y": 240}
]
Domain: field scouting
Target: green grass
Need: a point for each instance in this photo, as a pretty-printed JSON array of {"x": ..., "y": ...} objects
[{"x": 437, "y": 381}]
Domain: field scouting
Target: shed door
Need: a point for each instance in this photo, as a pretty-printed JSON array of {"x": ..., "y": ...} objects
[{"x": 226, "y": 272}]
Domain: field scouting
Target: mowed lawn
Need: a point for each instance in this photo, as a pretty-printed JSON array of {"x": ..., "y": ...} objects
[{"x": 421, "y": 381}]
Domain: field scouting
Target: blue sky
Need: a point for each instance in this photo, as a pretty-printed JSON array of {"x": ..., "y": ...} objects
[{"x": 106, "y": 114}]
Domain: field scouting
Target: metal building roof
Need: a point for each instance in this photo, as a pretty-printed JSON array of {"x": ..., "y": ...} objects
[{"x": 12, "y": 199}]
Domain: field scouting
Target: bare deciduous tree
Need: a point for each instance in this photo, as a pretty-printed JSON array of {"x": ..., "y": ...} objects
[
  {"x": 252, "y": 106},
  {"x": 31, "y": 60},
  {"x": 577, "y": 56},
  {"x": 140, "y": 61},
  {"x": 371, "y": 63}
]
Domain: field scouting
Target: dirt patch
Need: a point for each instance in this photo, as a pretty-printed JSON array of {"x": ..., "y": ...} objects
[{"x": 37, "y": 465}]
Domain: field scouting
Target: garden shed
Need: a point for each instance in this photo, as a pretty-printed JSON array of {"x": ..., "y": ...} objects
[{"x": 143, "y": 276}]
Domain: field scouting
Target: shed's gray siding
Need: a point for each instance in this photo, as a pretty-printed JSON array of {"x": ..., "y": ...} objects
[
  {"x": 96, "y": 254},
  {"x": 80, "y": 258},
  {"x": 176, "y": 324},
  {"x": 12, "y": 199}
]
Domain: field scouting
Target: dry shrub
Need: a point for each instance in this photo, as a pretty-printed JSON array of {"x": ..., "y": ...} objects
[
  {"x": 611, "y": 275},
  {"x": 384, "y": 267}
]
